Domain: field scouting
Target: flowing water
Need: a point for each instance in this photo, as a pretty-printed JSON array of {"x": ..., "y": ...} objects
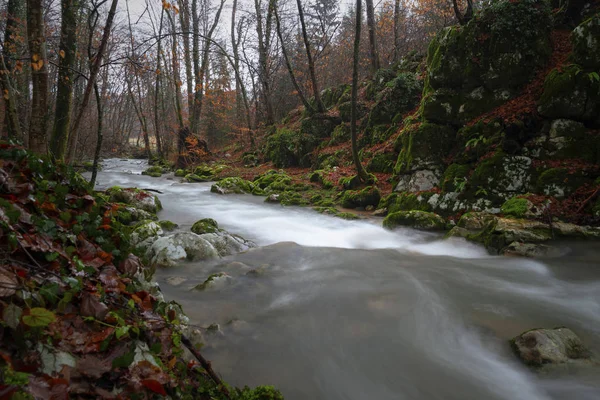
[{"x": 341, "y": 309}]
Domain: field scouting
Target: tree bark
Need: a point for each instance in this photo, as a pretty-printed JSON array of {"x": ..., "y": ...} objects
[
  {"x": 362, "y": 175},
  {"x": 199, "y": 95},
  {"x": 375, "y": 63},
  {"x": 38, "y": 141},
  {"x": 99, "y": 136},
  {"x": 64, "y": 84},
  {"x": 9, "y": 52},
  {"x": 94, "y": 69},
  {"x": 184, "y": 21},
  {"x": 288, "y": 64},
  {"x": 311, "y": 63},
  {"x": 263, "y": 67},
  {"x": 467, "y": 16},
  {"x": 396, "y": 30},
  {"x": 157, "y": 88}
]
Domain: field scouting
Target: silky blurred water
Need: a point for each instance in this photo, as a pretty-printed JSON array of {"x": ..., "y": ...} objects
[{"x": 337, "y": 309}]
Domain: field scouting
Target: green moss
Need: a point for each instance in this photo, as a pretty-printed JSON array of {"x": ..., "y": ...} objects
[
  {"x": 383, "y": 162},
  {"x": 586, "y": 45},
  {"x": 180, "y": 173},
  {"x": 560, "y": 182},
  {"x": 318, "y": 125},
  {"x": 204, "y": 285},
  {"x": 293, "y": 199},
  {"x": 515, "y": 207},
  {"x": 232, "y": 185},
  {"x": 422, "y": 145},
  {"x": 155, "y": 171},
  {"x": 455, "y": 177},
  {"x": 196, "y": 178},
  {"x": 250, "y": 160},
  {"x": 368, "y": 196},
  {"x": 341, "y": 134},
  {"x": 398, "y": 96},
  {"x": 406, "y": 202},
  {"x": 206, "y": 225},
  {"x": 288, "y": 148},
  {"x": 415, "y": 219},
  {"x": 168, "y": 225}
]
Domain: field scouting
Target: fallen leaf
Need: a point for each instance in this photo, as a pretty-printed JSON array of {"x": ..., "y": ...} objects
[
  {"x": 12, "y": 315},
  {"x": 94, "y": 366},
  {"x": 39, "y": 317},
  {"x": 130, "y": 266},
  {"x": 92, "y": 307},
  {"x": 8, "y": 282},
  {"x": 155, "y": 386}
]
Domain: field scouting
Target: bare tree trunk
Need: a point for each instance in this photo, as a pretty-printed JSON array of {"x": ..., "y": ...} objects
[
  {"x": 311, "y": 64},
  {"x": 184, "y": 21},
  {"x": 375, "y": 63},
  {"x": 199, "y": 95},
  {"x": 94, "y": 68},
  {"x": 9, "y": 52},
  {"x": 98, "y": 135},
  {"x": 362, "y": 175},
  {"x": 263, "y": 68},
  {"x": 38, "y": 141},
  {"x": 64, "y": 90},
  {"x": 157, "y": 88},
  {"x": 396, "y": 30},
  {"x": 288, "y": 64}
]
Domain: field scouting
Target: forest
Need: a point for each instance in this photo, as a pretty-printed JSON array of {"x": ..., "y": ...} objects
[{"x": 325, "y": 198}]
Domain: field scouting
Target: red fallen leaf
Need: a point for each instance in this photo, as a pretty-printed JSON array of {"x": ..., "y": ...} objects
[
  {"x": 59, "y": 389},
  {"x": 105, "y": 256},
  {"x": 48, "y": 207},
  {"x": 154, "y": 386},
  {"x": 105, "y": 227},
  {"x": 95, "y": 263}
]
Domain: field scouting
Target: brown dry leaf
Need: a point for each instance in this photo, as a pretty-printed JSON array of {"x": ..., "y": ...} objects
[
  {"x": 93, "y": 366},
  {"x": 92, "y": 307},
  {"x": 130, "y": 265},
  {"x": 109, "y": 277},
  {"x": 8, "y": 282}
]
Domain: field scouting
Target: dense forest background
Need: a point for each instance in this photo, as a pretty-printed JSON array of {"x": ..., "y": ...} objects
[{"x": 129, "y": 75}]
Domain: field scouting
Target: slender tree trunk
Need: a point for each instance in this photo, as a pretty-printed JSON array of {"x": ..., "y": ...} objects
[
  {"x": 396, "y": 30},
  {"x": 263, "y": 68},
  {"x": 467, "y": 16},
  {"x": 94, "y": 69},
  {"x": 9, "y": 52},
  {"x": 362, "y": 175},
  {"x": 199, "y": 95},
  {"x": 288, "y": 64},
  {"x": 311, "y": 64},
  {"x": 157, "y": 88},
  {"x": 98, "y": 136},
  {"x": 64, "y": 90},
  {"x": 184, "y": 21},
  {"x": 375, "y": 63},
  {"x": 38, "y": 141}
]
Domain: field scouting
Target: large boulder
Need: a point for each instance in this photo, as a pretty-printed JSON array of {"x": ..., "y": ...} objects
[
  {"x": 571, "y": 93},
  {"x": 227, "y": 244},
  {"x": 475, "y": 67},
  {"x": 399, "y": 96},
  {"x": 421, "y": 220},
  {"x": 368, "y": 196},
  {"x": 501, "y": 177},
  {"x": 169, "y": 250},
  {"x": 543, "y": 347},
  {"x": 586, "y": 43},
  {"x": 145, "y": 233},
  {"x": 423, "y": 146},
  {"x": 134, "y": 197},
  {"x": 290, "y": 148}
]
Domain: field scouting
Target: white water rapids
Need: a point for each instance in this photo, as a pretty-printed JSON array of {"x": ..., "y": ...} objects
[{"x": 348, "y": 310}]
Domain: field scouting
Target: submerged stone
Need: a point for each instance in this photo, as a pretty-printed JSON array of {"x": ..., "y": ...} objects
[{"x": 541, "y": 347}]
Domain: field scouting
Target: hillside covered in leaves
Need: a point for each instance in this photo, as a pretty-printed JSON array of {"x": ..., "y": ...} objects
[{"x": 79, "y": 316}]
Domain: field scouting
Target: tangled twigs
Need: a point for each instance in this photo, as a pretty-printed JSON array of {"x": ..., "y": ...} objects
[
  {"x": 206, "y": 365},
  {"x": 586, "y": 201}
]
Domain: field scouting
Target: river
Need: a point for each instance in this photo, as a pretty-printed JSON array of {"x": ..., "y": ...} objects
[{"x": 347, "y": 310}]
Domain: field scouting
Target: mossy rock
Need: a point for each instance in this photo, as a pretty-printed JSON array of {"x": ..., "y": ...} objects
[
  {"x": 586, "y": 43},
  {"x": 273, "y": 181},
  {"x": 398, "y": 96},
  {"x": 368, "y": 196},
  {"x": 319, "y": 125},
  {"x": 168, "y": 226},
  {"x": 455, "y": 177},
  {"x": 341, "y": 134},
  {"x": 560, "y": 182},
  {"x": 205, "y": 171},
  {"x": 353, "y": 182},
  {"x": 383, "y": 162},
  {"x": 180, "y": 173},
  {"x": 346, "y": 111},
  {"x": 232, "y": 185},
  {"x": 205, "y": 225},
  {"x": 197, "y": 178},
  {"x": 475, "y": 67},
  {"x": 289, "y": 148},
  {"x": 379, "y": 82},
  {"x": 423, "y": 145},
  {"x": 516, "y": 207},
  {"x": 134, "y": 197},
  {"x": 500, "y": 48},
  {"x": 290, "y": 198},
  {"x": 406, "y": 202},
  {"x": 154, "y": 171},
  {"x": 415, "y": 219},
  {"x": 250, "y": 160},
  {"x": 571, "y": 93}
]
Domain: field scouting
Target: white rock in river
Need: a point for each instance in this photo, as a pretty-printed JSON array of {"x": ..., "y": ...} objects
[
  {"x": 227, "y": 244},
  {"x": 145, "y": 234},
  {"x": 169, "y": 250}
]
